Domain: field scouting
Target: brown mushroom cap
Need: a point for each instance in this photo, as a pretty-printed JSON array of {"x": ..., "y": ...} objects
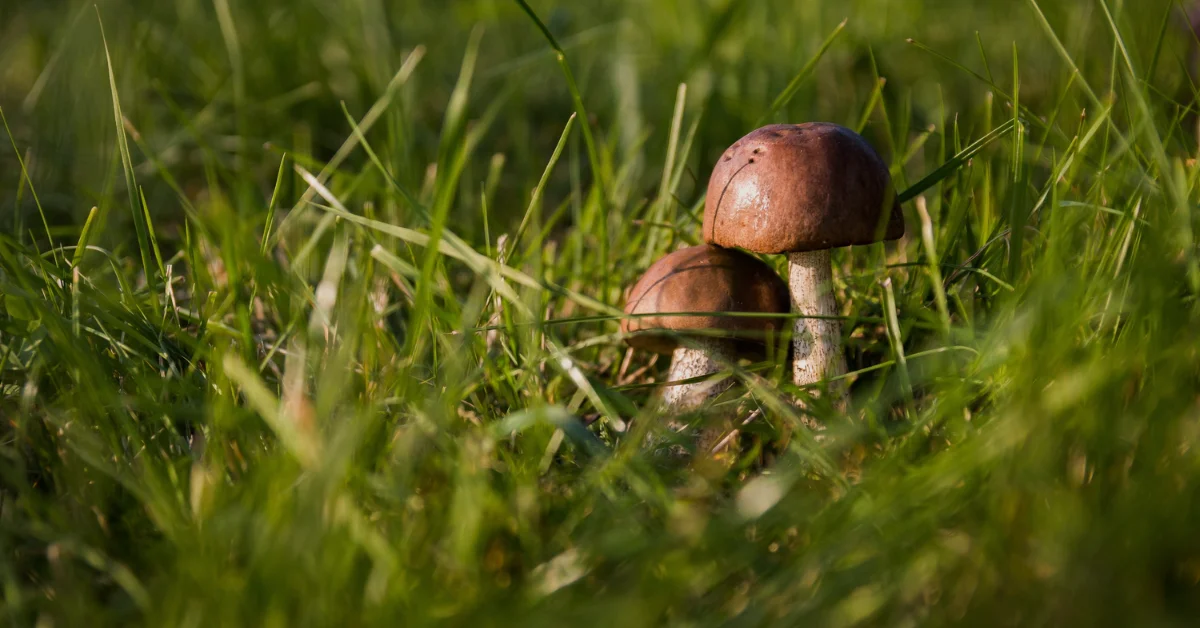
[
  {"x": 801, "y": 187},
  {"x": 705, "y": 278}
]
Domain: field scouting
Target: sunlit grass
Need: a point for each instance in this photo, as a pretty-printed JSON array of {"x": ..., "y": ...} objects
[{"x": 310, "y": 316}]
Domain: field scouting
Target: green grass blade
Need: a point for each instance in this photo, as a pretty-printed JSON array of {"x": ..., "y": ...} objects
[
  {"x": 788, "y": 92},
  {"x": 956, "y": 162},
  {"x": 158, "y": 258},
  {"x": 84, "y": 237},
  {"x": 665, "y": 199},
  {"x": 272, "y": 206},
  {"x": 598, "y": 168},
  {"x": 32, "y": 189},
  {"x": 372, "y": 116},
  {"x": 362, "y": 140},
  {"x": 598, "y": 165},
  {"x": 1063, "y": 53},
  {"x": 535, "y": 198},
  {"x": 872, "y": 102},
  {"x": 131, "y": 186},
  {"x": 557, "y": 416},
  {"x": 298, "y": 442}
]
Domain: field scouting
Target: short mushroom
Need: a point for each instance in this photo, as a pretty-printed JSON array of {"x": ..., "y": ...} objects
[
  {"x": 707, "y": 280},
  {"x": 803, "y": 189}
]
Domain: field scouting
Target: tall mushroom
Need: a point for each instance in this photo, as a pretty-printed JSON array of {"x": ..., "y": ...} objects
[
  {"x": 707, "y": 280},
  {"x": 803, "y": 189}
]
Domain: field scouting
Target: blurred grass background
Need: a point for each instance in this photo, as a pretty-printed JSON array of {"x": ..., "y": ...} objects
[{"x": 251, "y": 388}]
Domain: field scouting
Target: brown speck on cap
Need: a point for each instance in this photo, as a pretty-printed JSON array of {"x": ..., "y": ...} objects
[
  {"x": 705, "y": 278},
  {"x": 790, "y": 188}
]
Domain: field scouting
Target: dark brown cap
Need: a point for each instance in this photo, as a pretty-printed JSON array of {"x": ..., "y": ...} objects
[
  {"x": 705, "y": 278},
  {"x": 801, "y": 187}
]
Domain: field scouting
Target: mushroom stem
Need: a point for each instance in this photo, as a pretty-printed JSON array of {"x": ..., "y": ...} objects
[
  {"x": 817, "y": 342},
  {"x": 703, "y": 356}
]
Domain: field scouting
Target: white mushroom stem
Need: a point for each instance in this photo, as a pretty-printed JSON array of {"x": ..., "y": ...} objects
[
  {"x": 817, "y": 342},
  {"x": 702, "y": 356}
]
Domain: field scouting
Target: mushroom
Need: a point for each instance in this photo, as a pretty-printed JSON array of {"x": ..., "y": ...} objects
[
  {"x": 707, "y": 280},
  {"x": 803, "y": 189}
]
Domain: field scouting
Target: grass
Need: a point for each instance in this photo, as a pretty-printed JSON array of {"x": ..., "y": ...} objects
[{"x": 310, "y": 316}]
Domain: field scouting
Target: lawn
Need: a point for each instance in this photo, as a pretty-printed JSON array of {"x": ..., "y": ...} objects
[{"x": 310, "y": 315}]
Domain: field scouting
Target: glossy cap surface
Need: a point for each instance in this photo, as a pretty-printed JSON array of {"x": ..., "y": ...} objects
[{"x": 801, "y": 187}]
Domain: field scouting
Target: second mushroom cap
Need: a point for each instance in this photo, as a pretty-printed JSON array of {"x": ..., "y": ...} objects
[{"x": 705, "y": 279}]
